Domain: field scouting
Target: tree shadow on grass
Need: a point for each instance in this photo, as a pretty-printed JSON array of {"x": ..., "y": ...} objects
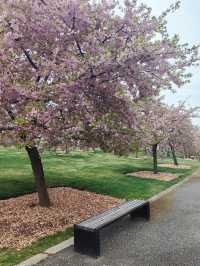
[{"x": 15, "y": 188}]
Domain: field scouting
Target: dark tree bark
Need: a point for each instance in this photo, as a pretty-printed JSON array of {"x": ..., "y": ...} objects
[
  {"x": 173, "y": 153},
  {"x": 38, "y": 172},
  {"x": 137, "y": 149},
  {"x": 185, "y": 151},
  {"x": 168, "y": 154},
  {"x": 155, "y": 158}
]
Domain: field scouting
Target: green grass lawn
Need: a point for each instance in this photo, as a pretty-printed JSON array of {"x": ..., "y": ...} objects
[{"x": 92, "y": 171}]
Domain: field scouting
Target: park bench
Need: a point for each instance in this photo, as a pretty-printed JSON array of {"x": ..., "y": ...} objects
[{"x": 87, "y": 232}]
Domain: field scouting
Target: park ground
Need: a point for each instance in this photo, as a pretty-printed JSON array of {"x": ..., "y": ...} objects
[{"x": 92, "y": 171}]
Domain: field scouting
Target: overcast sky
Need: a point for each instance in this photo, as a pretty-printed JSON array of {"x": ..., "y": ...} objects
[{"x": 185, "y": 22}]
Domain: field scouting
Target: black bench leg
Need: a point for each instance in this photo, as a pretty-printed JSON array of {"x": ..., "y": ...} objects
[
  {"x": 87, "y": 242},
  {"x": 144, "y": 212}
]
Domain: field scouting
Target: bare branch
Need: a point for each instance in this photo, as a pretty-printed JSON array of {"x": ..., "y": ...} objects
[
  {"x": 10, "y": 113},
  {"x": 6, "y": 129},
  {"x": 78, "y": 46},
  {"x": 28, "y": 56},
  {"x": 43, "y": 2}
]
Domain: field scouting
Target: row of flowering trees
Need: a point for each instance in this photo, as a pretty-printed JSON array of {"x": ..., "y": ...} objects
[
  {"x": 165, "y": 126},
  {"x": 79, "y": 73}
]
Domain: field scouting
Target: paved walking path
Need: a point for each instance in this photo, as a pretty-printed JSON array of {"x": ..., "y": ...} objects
[{"x": 171, "y": 237}]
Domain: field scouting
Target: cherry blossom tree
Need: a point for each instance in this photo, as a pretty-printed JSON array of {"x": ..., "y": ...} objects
[
  {"x": 153, "y": 123},
  {"x": 69, "y": 70},
  {"x": 161, "y": 125},
  {"x": 185, "y": 139},
  {"x": 180, "y": 122},
  {"x": 197, "y": 141}
]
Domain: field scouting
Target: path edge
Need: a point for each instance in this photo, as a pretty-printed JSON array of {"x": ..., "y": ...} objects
[
  {"x": 48, "y": 252},
  {"x": 173, "y": 187}
]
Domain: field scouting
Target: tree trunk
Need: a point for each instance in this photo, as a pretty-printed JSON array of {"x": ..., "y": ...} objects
[
  {"x": 155, "y": 159},
  {"x": 185, "y": 151},
  {"x": 173, "y": 153},
  {"x": 38, "y": 172},
  {"x": 66, "y": 148}
]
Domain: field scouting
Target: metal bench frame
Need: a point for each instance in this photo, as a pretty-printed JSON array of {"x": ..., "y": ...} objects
[{"x": 87, "y": 239}]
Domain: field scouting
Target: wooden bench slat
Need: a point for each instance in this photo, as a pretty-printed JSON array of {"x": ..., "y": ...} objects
[{"x": 111, "y": 214}]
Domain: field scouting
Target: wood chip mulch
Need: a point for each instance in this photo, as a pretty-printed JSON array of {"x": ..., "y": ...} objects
[
  {"x": 151, "y": 175},
  {"x": 170, "y": 165},
  {"x": 22, "y": 221}
]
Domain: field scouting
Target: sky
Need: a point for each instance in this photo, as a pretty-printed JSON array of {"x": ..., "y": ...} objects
[{"x": 186, "y": 23}]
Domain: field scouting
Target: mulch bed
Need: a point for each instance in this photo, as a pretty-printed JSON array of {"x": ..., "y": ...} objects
[
  {"x": 151, "y": 175},
  {"x": 22, "y": 221},
  {"x": 170, "y": 165}
]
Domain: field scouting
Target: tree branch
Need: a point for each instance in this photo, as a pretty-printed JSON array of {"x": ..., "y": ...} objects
[
  {"x": 30, "y": 59},
  {"x": 78, "y": 46},
  {"x": 6, "y": 129},
  {"x": 43, "y": 2},
  {"x": 10, "y": 113}
]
